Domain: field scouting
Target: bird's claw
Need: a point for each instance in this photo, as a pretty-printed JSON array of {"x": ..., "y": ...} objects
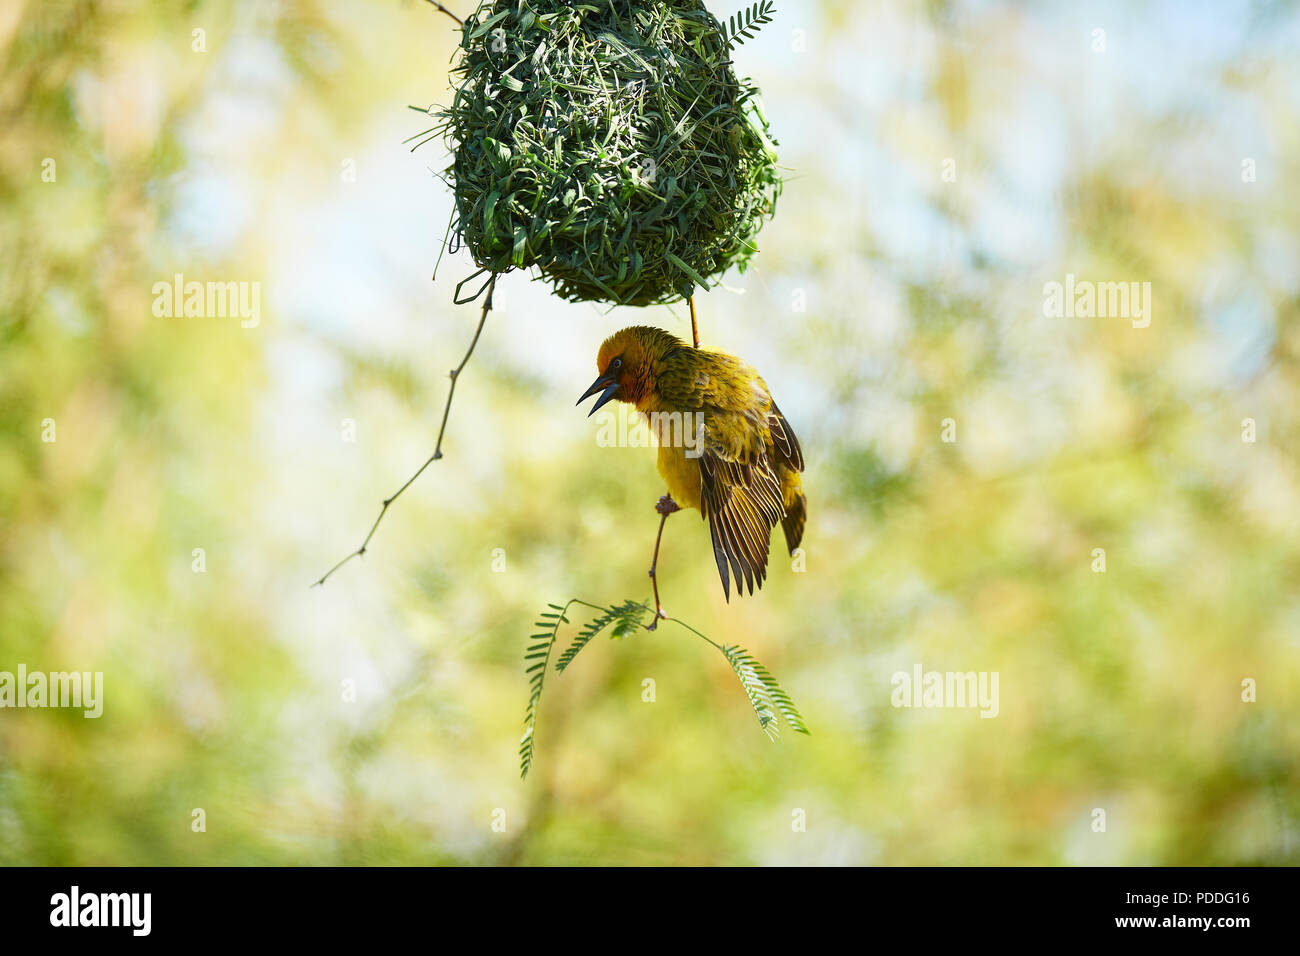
[{"x": 666, "y": 505}]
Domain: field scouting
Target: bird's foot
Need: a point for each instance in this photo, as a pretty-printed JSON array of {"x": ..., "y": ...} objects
[{"x": 667, "y": 506}]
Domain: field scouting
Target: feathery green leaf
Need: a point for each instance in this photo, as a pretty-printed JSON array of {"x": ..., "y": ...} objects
[
  {"x": 537, "y": 672},
  {"x": 626, "y": 617},
  {"x": 766, "y": 696},
  {"x": 770, "y": 701},
  {"x": 743, "y": 25}
]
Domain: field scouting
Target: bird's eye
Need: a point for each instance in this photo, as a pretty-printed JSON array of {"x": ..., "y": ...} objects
[{"x": 615, "y": 365}]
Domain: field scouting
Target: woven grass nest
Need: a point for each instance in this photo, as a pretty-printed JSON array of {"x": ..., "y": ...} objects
[{"x": 609, "y": 144}]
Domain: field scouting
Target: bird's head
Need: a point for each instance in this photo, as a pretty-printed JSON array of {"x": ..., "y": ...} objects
[{"x": 628, "y": 363}]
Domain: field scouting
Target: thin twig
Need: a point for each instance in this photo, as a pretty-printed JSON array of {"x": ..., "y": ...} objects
[
  {"x": 682, "y": 623},
  {"x": 695, "y": 329},
  {"x": 448, "y": 12},
  {"x": 665, "y": 507},
  {"x": 437, "y": 451}
]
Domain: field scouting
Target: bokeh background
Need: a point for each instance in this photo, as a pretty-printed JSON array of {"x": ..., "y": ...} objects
[{"x": 887, "y": 297}]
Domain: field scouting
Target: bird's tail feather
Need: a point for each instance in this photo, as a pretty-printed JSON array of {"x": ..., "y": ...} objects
[{"x": 795, "y": 516}]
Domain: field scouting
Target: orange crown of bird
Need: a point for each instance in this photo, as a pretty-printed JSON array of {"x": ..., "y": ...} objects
[{"x": 739, "y": 466}]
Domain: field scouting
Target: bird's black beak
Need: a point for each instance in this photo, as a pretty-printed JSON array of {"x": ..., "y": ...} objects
[{"x": 605, "y": 383}]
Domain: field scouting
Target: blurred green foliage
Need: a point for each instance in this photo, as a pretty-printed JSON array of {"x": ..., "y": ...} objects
[{"x": 376, "y": 720}]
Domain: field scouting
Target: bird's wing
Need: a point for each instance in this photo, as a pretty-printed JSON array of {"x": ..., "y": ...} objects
[
  {"x": 784, "y": 440},
  {"x": 742, "y": 503},
  {"x": 740, "y": 490}
]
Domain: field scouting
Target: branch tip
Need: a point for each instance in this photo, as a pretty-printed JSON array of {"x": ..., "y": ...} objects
[
  {"x": 448, "y": 12},
  {"x": 442, "y": 430}
]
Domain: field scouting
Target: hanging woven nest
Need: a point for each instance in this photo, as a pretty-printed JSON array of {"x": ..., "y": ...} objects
[{"x": 609, "y": 144}]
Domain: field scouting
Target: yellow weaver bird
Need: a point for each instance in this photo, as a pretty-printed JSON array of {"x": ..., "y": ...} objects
[{"x": 739, "y": 464}]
